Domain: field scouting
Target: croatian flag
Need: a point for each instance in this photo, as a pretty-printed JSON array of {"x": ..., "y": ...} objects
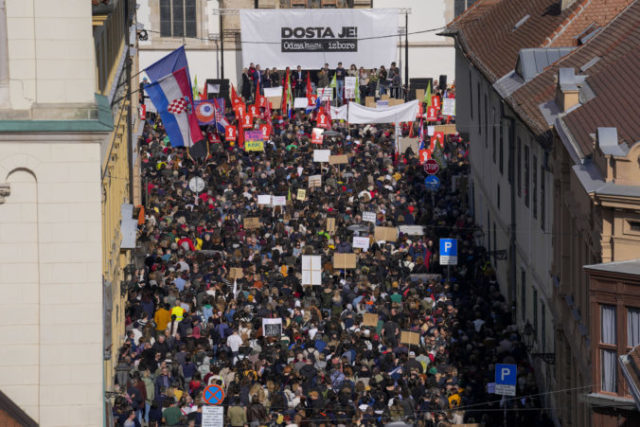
[
  {"x": 221, "y": 120},
  {"x": 172, "y": 97}
]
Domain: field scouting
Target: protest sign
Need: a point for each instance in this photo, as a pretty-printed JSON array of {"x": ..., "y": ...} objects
[
  {"x": 341, "y": 159},
  {"x": 344, "y": 261},
  {"x": 432, "y": 114},
  {"x": 300, "y": 103},
  {"x": 360, "y": 242},
  {"x": 251, "y": 223},
  {"x": 411, "y": 230},
  {"x": 279, "y": 200},
  {"x": 410, "y": 338},
  {"x": 230, "y": 133},
  {"x": 325, "y": 93},
  {"x": 272, "y": 327},
  {"x": 369, "y": 217},
  {"x": 350, "y": 87},
  {"x": 321, "y": 156},
  {"x": 253, "y": 140},
  {"x": 302, "y": 194},
  {"x": 272, "y": 92},
  {"x": 312, "y": 270},
  {"x": 405, "y": 143},
  {"x": 315, "y": 181},
  {"x": 276, "y": 102},
  {"x": 449, "y": 107},
  {"x": 386, "y": 234},
  {"x": 317, "y": 136},
  {"x": 331, "y": 225},
  {"x": 370, "y": 319},
  {"x": 446, "y": 129},
  {"x": 235, "y": 273}
]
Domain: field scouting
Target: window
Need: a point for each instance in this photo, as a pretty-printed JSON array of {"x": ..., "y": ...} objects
[
  {"x": 498, "y": 193},
  {"x": 480, "y": 112},
  {"x": 608, "y": 349},
  {"x": 634, "y": 225},
  {"x": 526, "y": 175},
  {"x": 543, "y": 195},
  {"x": 523, "y": 294},
  {"x": 534, "y": 178},
  {"x": 178, "y": 18},
  {"x": 633, "y": 327},
  {"x": 519, "y": 168}
]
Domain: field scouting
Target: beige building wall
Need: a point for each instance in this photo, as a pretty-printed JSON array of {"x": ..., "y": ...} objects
[
  {"x": 51, "y": 52},
  {"x": 50, "y": 278}
]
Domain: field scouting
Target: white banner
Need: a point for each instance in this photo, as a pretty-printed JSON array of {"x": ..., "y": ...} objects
[
  {"x": 361, "y": 242},
  {"x": 339, "y": 113},
  {"x": 325, "y": 93},
  {"x": 310, "y": 37},
  {"x": 273, "y": 91},
  {"x": 400, "y": 113}
]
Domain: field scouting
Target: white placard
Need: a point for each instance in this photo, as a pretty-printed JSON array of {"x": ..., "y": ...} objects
[
  {"x": 350, "y": 87},
  {"x": 369, "y": 217},
  {"x": 273, "y": 91},
  {"x": 411, "y": 230},
  {"x": 431, "y": 130},
  {"x": 271, "y": 327},
  {"x": 321, "y": 156},
  {"x": 361, "y": 242},
  {"x": 212, "y": 416},
  {"x": 315, "y": 181},
  {"x": 300, "y": 103},
  {"x": 339, "y": 113},
  {"x": 311, "y": 37},
  {"x": 279, "y": 200},
  {"x": 264, "y": 199},
  {"x": 312, "y": 270},
  {"x": 449, "y": 107},
  {"x": 325, "y": 93}
]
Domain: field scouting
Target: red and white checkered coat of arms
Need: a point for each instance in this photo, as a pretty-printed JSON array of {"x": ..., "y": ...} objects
[{"x": 177, "y": 106}]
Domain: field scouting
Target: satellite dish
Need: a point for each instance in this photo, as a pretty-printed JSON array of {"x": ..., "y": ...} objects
[{"x": 196, "y": 184}]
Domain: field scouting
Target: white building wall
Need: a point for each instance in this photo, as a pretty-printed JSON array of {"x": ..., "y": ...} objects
[
  {"x": 51, "y": 52},
  {"x": 50, "y": 280}
]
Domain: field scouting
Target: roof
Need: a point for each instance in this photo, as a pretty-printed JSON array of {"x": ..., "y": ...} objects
[
  {"x": 492, "y": 32},
  {"x": 532, "y": 62},
  {"x": 616, "y": 46},
  {"x": 593, "y": 183},
  {"x": 15, "y": 412},
  {"x": 631, "y": 267}
]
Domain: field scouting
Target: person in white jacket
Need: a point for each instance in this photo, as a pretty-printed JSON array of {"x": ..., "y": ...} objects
[{"x": 234, "y": 342}]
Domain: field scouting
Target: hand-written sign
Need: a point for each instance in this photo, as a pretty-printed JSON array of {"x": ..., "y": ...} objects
[
  {"x": 331, "y": 225},
  {"x": 340, "y": 159},
  {"x": 361, "y": 243},
  {"x": 410, "y": 338},
  {"x": 312, "y": 270},
  {"x": 302, "y": 195},
  {"x": 251, "y": 223},
  {"x": 264, "y": 199},
  {"x": 279, "y": 200},
  {"x": 235, "y": 273},
  {"x": 370, "y": 319},
  {"x": 315, "y": 181},
  {"x": 344, "y": 261},
  {"x": 386, "y": 234},
  {"x": 322, "y": 156},
  {"x": 369, "y": 217},
  {"x": 272, "y": 327}
]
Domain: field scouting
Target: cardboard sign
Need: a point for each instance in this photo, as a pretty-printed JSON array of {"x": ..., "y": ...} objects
[
  {"x": 317, "y": 136},
  {"x": 370, "y": 101},
  {"x": 272, "y": 327},
  {"x": 264, "y": 199},
  {"x": 279, "y": 200},
  {"x": 405, "y": 143},
  {"x": 446, "y": 129},
  {"x": 344, "y": 261},
  {"x": 251, "y": 223},
  {"x": 235, "y": 273},
  {"x": 432, "y": 114},
  {"x": 312, "y": 270},
  {"x": 341, "y": 159},
  {"x": 321, "y": 156},
  {"x": 331, "y": 225},
  {"x": 420, "y": 95},
  {"x": 370, "y": 319},
  {"x": 361, "y": 243},
  {"x": 369, "y": 217},
  {"x": 276, "y": 102},
  {"x": 410, "y": 338},
  {"x": 395, "y": 101},
  {"x": 386, "y": 234},
  {"x": 315, "y": 181},
  {"x": 302, "y": 195},
  {"x": 230, "y": 133}
]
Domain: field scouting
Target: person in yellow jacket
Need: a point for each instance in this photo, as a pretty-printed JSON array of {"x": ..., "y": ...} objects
[{"x": 178, "y": 311}]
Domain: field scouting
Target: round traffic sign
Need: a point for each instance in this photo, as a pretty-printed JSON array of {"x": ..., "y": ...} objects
[
  {"x": 432, "y": 183},
  {"x": 213, "y": 394},
  {"x": 431, "y": 167},
  {"x": 196, "y": 184}
]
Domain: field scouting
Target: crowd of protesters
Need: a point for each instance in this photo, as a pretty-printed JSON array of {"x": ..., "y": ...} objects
[
  {"x": 190, "y": 324},
  {"x": 371, "y": 82}
]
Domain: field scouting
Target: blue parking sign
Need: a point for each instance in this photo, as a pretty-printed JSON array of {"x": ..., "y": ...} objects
[
  {"x": 448, "y": 252},
  {"x": 432, "y": 183},
  {"x": 506, "y": 379}
]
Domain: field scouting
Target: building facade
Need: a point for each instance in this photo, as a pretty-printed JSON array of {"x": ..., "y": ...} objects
[
  {"x": 199, "y": 24},
  {"x": 66, "y": 128},
  {"x": 517, "y": 88}
]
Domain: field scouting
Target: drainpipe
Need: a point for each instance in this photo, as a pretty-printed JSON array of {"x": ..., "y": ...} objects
[
  {"x": 4, "y": 57},
  {"x": 512, "y": 192},
  {"x": 128, "y": 62}
]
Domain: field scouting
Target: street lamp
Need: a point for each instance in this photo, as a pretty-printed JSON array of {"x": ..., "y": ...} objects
[{"x": 529, "y": 338}]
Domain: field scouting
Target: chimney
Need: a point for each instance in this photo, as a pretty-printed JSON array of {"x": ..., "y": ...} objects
[
  {"x": 566, "y": 4},
  {"x": 568, "y": 90}
]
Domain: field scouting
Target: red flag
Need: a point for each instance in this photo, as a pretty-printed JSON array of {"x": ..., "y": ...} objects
[
  {"x": 247, "y": 121},
  {"x": 309, "y": 88},
  {"x": 265, "y": 128},
  {"x": 258, "y": 96},
  {"x": 235, "y": 99},
  {"x": 230, "y": 133},
  {"x": 254, "y": 110},
  {"x": 410, "y": 129}
]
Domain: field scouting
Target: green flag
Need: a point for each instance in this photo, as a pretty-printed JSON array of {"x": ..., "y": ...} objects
[
  {"x": 358, "y": 89},
  {"x": 427, "y": 95},
  {"x": 333, "y": 83},
  {"x": 195, "y": 87}
]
